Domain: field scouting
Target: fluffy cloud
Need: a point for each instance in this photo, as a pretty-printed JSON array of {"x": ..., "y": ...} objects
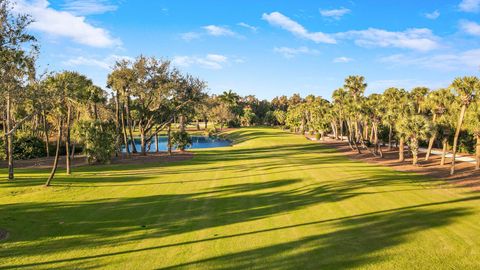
[
  {"x": 215, "y": 30},
  {"x": 342, "y": 59},
  {"x": 105, "y": 63},
  {"x": 420, "y": 39},
  {"x": 65, "y": 24},
  {"x": 210, "y": 61},
  {"x": 284, "y": 22},
  {"x": 292, "y": 52},
  {"x": 87, "y": 7},
  {"x": 211, "y": 30},
  {"x": 432, "y": 15},
  {"x": 335, "y": 13},
  {"x": 466, "y": 60},
  {"x": 470, "y": 27},
  {"x": 246, "y": 25},
  {"x": 469, "y": 5}
]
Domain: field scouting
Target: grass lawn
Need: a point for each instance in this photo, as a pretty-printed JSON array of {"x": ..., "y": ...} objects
[{"x": 272, "y": 201}]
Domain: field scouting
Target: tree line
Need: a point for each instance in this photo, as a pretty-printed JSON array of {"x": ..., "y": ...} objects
[
  {"x": 448, "y": 118},
  {"x": 64, "y": 113}
]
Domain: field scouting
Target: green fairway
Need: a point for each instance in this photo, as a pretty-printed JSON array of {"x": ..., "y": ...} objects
[{"x": 272, "y": 201}]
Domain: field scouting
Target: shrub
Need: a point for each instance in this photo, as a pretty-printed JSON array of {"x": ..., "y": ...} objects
[
  {"x": 26, "y": 146},
  {"x": 98, "y": 140},
  {"x": 3, "y": 155},
  {"x": 317, "y": 136},
  {"x": 211, "y": 132},
  {"x": 181, "y": 140}
]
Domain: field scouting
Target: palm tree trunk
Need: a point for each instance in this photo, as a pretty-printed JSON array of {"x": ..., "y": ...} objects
[
  {"x": 444, "y": 151},
  {"x": 57, "y": 152},
  {"x": 67, "y": 141},
  {"x": 431, "y": 141},
  {"x": 341, "y": 129},
  {"x": 9, "y": 139},
  {"x": 455, "y": 139},
  {"x": 414, "y": 149},
  {"x": 45, "y": 132},
  {"x": 477, "y": 153},
  {"x": 169, "y": 138},
  {"x": 129, "y": 124},
  {"x": 143, "y": 149},
  {"x": 401, "y": 150},
  {"x": 124, "y": 131}
]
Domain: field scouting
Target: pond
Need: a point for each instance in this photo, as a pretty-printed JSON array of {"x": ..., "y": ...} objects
[{"x": 197, "y": 143}]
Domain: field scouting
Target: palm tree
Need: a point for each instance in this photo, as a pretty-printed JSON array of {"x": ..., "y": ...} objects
[
  {"x": 472, "y": 121},
  {"x": 356, "y": 86},
  {"x": 414, "y": 128},
  {"x": 390, "y": 100},
  {"x": 438, "y": 102},
  {"x": 466, "y": 89},
  {"x": 419, "y": 95}
]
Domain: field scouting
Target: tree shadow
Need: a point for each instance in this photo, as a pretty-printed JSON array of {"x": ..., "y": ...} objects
[{"x": 355, "y": 242}]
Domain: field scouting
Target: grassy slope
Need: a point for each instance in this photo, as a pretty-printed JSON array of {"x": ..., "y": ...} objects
[{"x": 274, "y": 200}]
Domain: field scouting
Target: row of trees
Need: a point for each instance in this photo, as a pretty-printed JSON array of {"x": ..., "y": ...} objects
[
  {"x": 435, "y": 117},
  {"x": 67, "y": 107}
]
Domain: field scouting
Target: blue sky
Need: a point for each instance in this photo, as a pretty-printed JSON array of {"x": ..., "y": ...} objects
[{"x": 267, "y": 48}]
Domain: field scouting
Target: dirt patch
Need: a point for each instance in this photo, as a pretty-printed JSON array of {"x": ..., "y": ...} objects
[
  {"x": 4, "y": 234},
  {"x": 465, "y": 174},
  {"x": 46, "y": 163}
]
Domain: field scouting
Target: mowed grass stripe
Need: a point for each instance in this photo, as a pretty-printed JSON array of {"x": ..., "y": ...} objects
[{"x": 272, "y": 201}]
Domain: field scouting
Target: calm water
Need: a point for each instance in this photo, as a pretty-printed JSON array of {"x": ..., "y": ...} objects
[{"x": 197, "y": 142}]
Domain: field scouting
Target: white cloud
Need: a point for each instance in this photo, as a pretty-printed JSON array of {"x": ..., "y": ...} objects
[
  {"x": 470, "y": 27},
  {"x": 104, "y": 63},
  {"x": 292, "y": 52},
  {"x": 65, "y": 24},
  {"x": 469, "y": 5},
  {"x": 215, "y": 30},
  {"x": 210, "y": 61},
  {"x": 342, "y": 59},
  {"x": 284, "y": 22},
  {"x": 466, "y": 60},
  {"x": 420, "y": 39},
  {"x": 248, "y": 26},
  {"x": 432, "y": 15},
  {"x": 335, "y": 13},
  {"x": 211, "y": 30},
  {"x": 189, "y": 36},
  {"x": 87, "y": 7}
]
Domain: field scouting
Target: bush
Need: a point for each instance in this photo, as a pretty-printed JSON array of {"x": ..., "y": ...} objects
[
  {"x": 98, "y": 140},
  {"x": 317, "y": 136},
  {"x": 26, "y": 146},
  {"x": 3, "y": 155},
  {"x": 181, "y": 140},
  {"x": 211, "y": 132}
]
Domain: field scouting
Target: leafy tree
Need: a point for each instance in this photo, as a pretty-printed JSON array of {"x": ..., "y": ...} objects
[
  {"x": 181, "y": 140},
  {"x": 98, "y": 139},
  {"x": 280, "y": 116},
  {"x": 18, "y": 51}
]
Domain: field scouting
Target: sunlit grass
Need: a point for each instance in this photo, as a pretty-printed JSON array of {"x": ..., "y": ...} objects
[{"x": 272, "y": 201}]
